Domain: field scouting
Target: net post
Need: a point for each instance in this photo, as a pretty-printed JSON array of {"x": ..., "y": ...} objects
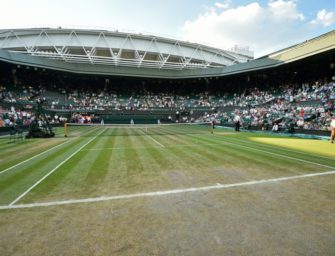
[{"x": 65, "y": 129}]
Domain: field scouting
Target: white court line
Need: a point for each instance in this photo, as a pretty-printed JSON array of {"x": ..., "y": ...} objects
[
  {"x": 275, "y": 154},
  {"x": 9, "y": 168},
  {"x": 157, "y": 142},
  {"x": 6, "y": 170},
  {"x": 163, "y": 193},
  {"x": 166, "y": 146},
  {"x": 54, "y": 169},
  {"x": 283, "y": 149},
  {"x": 272, "y": 153}
]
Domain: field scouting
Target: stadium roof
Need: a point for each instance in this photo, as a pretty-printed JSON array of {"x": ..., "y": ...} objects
[
  {"x": 120, "y": 49},
  {"x": 92, "y": 52}
]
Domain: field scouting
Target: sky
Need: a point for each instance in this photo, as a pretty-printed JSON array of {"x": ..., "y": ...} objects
[{"x": 264, "y": 26}]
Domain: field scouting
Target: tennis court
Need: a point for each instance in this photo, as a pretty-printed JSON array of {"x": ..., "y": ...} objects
[{"x": 167, "y": 190}]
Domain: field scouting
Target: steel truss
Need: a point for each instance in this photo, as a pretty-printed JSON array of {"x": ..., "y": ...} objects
[{"x": 100, "y": 47}]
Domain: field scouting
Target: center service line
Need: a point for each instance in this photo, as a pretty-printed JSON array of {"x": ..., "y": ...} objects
[{"x": 157, "y": 142}]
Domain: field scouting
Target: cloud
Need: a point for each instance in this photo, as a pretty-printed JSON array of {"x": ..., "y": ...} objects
[
  {"x": 324, "y": 18},
  {"x": 263, "y": 28},
  {"x": 281, "y": 10},
  {"x": 223, "y": 5}
]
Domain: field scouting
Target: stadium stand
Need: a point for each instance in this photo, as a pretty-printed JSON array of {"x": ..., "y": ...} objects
[
  {"x": 309, "y": 105},
  {"x": 298, "y": 93}
]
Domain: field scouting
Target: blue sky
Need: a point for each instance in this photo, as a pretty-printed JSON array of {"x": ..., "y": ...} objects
[{"x": 264, "y": 26}]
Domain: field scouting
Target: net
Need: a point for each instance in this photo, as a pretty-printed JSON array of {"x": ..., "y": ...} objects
[{"x": 74, "y": 129}]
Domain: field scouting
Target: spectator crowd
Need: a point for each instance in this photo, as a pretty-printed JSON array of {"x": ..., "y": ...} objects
[{"x": 307, "y": 106}]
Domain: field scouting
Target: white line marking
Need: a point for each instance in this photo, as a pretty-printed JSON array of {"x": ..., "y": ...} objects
[
  {"x": 6, "y": 170},
  {"x": 280, "y": 155},
  {"x": 272, "y": 153},
  {"x": 54, "y": 169},
  {"x": 157, "y": 142},
  {"x": 280, "y": 148},
  {"x": 166, "y": 146},
  {"x": 163, "y": 193}
]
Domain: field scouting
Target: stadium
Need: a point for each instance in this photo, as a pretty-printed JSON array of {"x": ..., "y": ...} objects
[{"x": 115, "y": 143}]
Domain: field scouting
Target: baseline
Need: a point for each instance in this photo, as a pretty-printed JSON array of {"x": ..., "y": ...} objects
[{"x": 165, "y": 192}]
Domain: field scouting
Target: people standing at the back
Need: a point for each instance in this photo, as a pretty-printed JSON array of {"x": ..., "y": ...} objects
[
  {"x": 332, "y": 127},
  {"x": 237, "y": 122}
]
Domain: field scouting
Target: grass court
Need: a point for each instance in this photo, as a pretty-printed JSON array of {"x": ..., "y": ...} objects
[{"x": 166, "y": 190}]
